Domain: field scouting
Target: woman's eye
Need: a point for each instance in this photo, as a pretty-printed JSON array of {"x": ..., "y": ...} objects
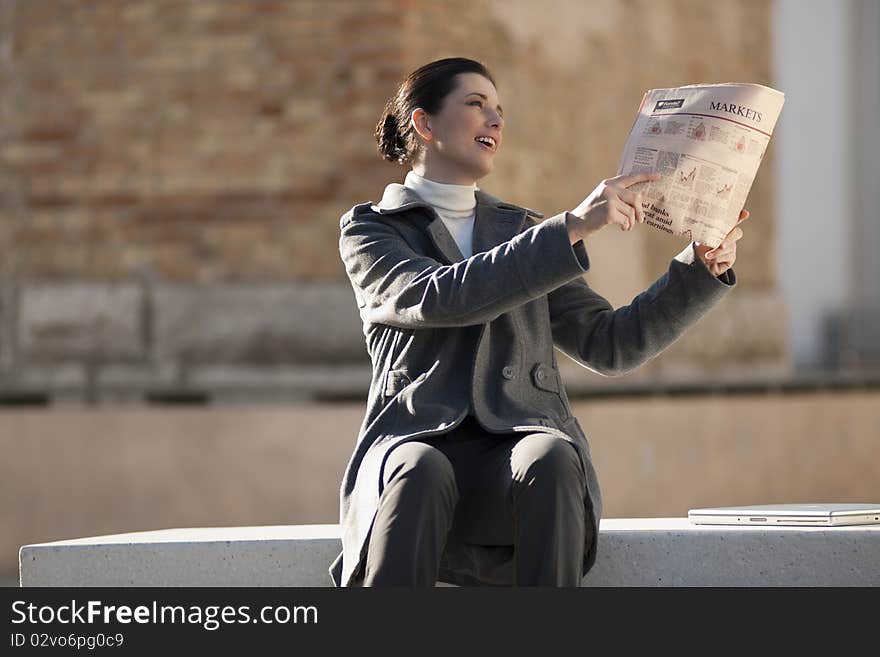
[{"x": 477, "y": 102}]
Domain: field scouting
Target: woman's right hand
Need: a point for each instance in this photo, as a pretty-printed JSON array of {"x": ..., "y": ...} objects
[{"x": 610, "y": 203}]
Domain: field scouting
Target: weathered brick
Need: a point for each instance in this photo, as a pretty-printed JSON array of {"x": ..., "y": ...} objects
[
  {"x": 215, "y": 142},
  {"x": 265, "y": 324},
  {"x": 80, "y": 322}
]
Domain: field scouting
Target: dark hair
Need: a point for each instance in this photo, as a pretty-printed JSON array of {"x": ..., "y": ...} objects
[{"x": 426, "y": 87}]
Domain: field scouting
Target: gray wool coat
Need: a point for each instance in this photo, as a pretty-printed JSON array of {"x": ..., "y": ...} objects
[{"x": 449, "y": 336}]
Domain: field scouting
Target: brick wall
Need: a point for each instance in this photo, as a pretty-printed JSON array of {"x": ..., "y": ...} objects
[
  {"x": 197, "y": 141},
  {"x": 212, "y": 146}
]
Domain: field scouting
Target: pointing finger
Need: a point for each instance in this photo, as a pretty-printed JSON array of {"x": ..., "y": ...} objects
[{"x": 633, "y": 178}]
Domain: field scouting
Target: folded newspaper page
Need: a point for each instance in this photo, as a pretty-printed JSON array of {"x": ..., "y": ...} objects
[{"x": 707, "y": 141}]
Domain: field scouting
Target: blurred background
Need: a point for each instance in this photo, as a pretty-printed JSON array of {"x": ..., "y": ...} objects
[{"x": 179, "y": 344}]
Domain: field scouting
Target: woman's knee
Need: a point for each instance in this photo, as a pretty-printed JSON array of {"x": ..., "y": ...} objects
[
  {"x": 420, "y": 466},
  {"x": 547, "y": 457}
]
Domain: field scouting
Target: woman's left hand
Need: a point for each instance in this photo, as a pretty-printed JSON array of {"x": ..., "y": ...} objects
[{"x": 722, "y": 257}]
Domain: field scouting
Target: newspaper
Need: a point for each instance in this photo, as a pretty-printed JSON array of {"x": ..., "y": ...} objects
[{"x": 707, "y": 141}]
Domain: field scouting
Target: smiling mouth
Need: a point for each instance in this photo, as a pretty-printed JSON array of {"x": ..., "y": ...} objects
[{"x": 488, "y": 143}]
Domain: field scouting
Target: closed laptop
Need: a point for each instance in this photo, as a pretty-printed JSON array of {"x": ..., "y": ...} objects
[{"x": 788, "y": 514}]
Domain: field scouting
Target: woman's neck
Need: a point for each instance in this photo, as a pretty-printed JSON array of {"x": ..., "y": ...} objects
[
  {"x": 447, "y": 196},
  {"x": 440, "y": 175}
]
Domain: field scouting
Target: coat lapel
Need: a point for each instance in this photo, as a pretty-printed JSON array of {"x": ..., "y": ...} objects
[
  {"x": 495, "y": 224},
  {"x": 443, "y": 240},
  {"x": 495, "y": 221}
]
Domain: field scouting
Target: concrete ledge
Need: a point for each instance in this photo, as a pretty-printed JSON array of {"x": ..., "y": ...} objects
[
  {"x": 632, "y": 552},
  {"x": 295, "y": 555}
]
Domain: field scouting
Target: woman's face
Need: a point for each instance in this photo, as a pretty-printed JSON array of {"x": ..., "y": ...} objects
[{"x": 453, "y": 152}]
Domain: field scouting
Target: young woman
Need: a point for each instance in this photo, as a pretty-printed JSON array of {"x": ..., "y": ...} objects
[{"x": 469, "y": 466}]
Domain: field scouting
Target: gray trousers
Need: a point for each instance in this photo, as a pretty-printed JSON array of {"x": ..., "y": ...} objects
[{"x": 520, "y": 489}]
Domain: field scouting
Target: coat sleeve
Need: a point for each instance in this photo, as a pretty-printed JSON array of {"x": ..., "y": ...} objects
[
  {"x": 613, "y": 342},
  {"x": 397, "y": 286}
]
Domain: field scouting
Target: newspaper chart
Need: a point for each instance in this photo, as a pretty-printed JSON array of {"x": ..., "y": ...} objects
[{"x": 707, "y": 141}]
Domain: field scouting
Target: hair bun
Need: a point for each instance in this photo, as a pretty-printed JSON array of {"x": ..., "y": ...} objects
[{"x": 391, "y": 143}]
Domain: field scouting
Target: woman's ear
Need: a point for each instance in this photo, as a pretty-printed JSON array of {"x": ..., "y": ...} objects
[{"x": 419, "y": 119}]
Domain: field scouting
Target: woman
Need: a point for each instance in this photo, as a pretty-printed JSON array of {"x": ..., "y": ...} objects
[{"x": 470, "y": 467}]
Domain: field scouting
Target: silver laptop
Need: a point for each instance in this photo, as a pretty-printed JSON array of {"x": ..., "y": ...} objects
[{"x": 789, "y": 514}]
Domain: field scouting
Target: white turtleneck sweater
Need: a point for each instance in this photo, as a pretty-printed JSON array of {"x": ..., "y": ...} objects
[{"x": 455, "y": 204}]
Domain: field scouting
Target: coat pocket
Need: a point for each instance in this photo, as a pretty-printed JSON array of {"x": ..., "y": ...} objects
[{"x": 395, "y": 381}]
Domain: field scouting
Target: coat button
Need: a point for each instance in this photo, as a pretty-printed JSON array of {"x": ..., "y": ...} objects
[
  {"x": 507, "y": 372},
  {"x": 541, "y": 373}
]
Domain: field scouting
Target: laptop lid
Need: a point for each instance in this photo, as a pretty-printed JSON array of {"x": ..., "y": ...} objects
[{"x": 789, "y": 514}]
